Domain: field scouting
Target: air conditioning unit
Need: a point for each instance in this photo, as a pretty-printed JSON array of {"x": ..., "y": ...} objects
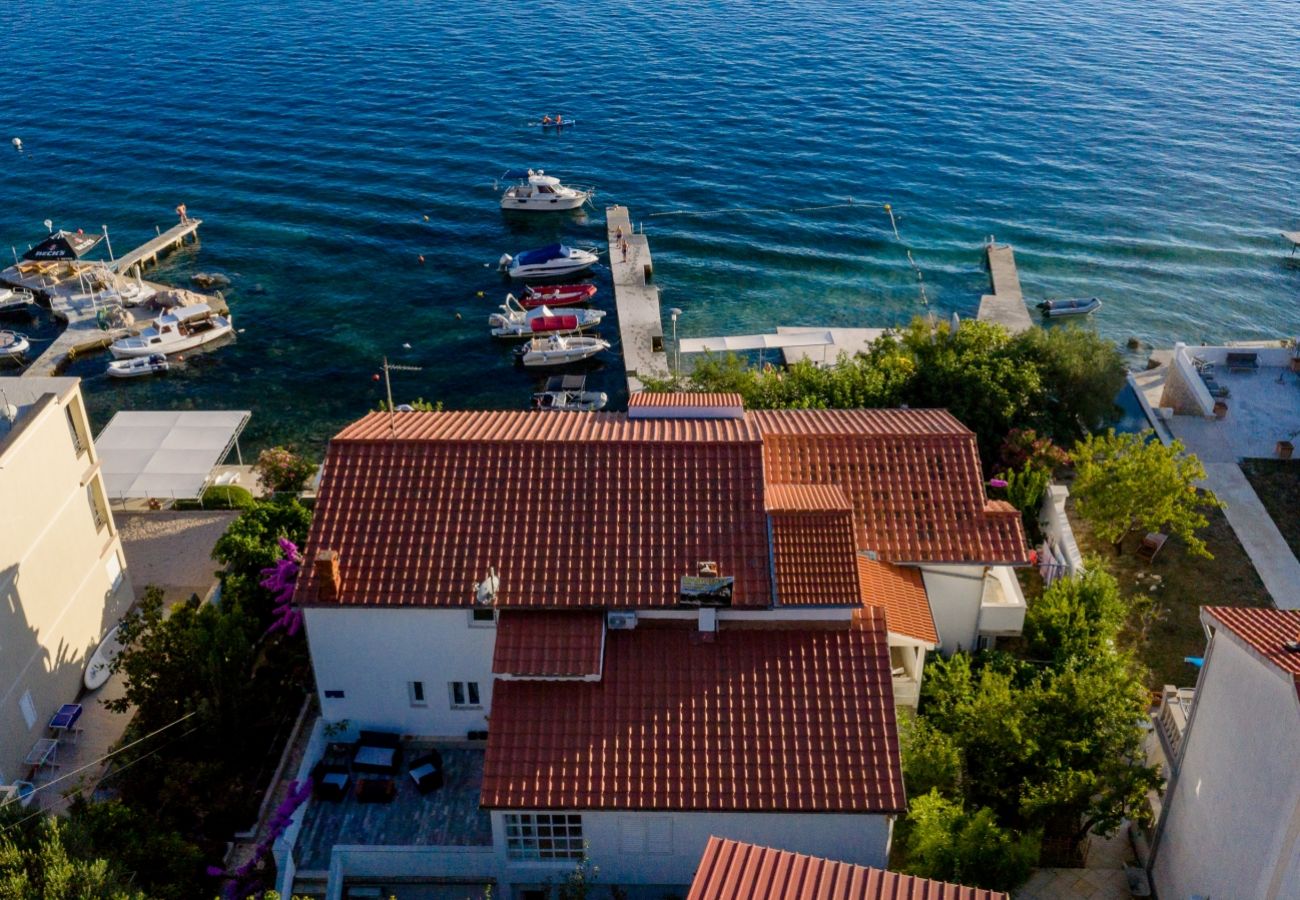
[{"x": 620, "y": 621}]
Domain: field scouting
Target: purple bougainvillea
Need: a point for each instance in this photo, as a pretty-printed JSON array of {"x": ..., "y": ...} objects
[
  {"x": 279, "y": 579},
  {"x": 243, "y": 882}
]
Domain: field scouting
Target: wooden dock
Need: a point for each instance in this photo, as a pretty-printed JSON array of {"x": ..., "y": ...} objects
[
  {"x": 1006, "y": 305},
  {"x": 640, "y": 324},
  {"x": 148, "y": 253}
]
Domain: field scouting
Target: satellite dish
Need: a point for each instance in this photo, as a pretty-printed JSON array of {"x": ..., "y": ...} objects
[
  {"x": 485, "y": 592},
  {"x": 8, "y": 415}
]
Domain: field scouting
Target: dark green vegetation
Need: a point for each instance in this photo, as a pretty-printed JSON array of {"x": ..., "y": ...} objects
[
  {"x": 1277, "y": 482},
  {"x": 1060, "y": 381},
  {"x": 1017, "y": 752},
  {"x": 214, "y": 696}
]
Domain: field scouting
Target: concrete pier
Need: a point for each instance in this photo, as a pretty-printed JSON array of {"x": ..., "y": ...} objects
[
  {"x": 148, "y": 252},
  {"x": 640, "y": 325},
  {"x": 1006, "y": 305}
]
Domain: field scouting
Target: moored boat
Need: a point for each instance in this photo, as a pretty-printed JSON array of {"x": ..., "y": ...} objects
[
  {"x": 569, "y": 393},
  {"x": 556, "y": 295},
  {"x": 535, "y": 191},
  {"x": 516, "y": 322},
  {"x": 550, "y": 261},
  {"x": 559, "y": 350},
  {"x": 183, "y": 328},
  {"x": 138, "y": 366},
  {"x": 14, "y": 300},
  {"x": 1078, "y": 306},
  {"x": 13, "y": 345}
]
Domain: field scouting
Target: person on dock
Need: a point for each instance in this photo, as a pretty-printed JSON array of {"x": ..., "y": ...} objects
[
  {"x": 623, "y": 245},
  {"x": 183, "y": 213}
]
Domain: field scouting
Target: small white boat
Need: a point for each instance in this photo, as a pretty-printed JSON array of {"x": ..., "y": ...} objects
[
  {"x": 184, "y": 328},
  {"x": 14, "y": 300},
  {"x": 1079, "y": 306},
  {"x": 514, "y": 322},
  {"x": 138, "y": 366},
  {"x": 548, "y": 262},
  {"x": 569, "y": 393},
  {"x": 101, "y": 661},
  {"x": 13, "y": 345},
  {"x": 559, "y": 350},
  {"x": 536, "y": 191},
  {"x": 131, "y": 293}
]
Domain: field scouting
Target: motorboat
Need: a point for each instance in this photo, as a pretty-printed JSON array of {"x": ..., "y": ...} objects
[
  {"x": 15, "y": 300},
  {"x": 535, "y": 191},
  {"x": 559, "y": 350},
  {"x": 569, "y": 393},
  {"x": 13, "y": 345},
  {"x": 1079, "y": 306},
  {"x": 138, "y": 366},
  {"x": 548, "y": 262},
  {"x": 516, "y": 322},
  {"x": 557, "y": 295},
  {"x": 183, "y": 328},
  {"x": 101, "y": 661}
]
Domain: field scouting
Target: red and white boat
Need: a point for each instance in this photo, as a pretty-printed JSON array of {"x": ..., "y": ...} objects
[
  {"x": 516, "y": 322},
  {"x": 557, "y": 295}
]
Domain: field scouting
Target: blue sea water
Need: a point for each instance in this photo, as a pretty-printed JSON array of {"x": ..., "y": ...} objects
[{"x": 1142, "y": 152}]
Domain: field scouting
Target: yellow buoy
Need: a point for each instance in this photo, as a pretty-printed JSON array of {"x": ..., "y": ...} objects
[{"x": 479, "y": 294}]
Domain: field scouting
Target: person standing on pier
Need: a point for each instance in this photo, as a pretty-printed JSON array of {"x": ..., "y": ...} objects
[{"x": 183, "y": 213}]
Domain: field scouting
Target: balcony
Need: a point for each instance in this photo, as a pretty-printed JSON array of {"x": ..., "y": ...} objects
[
  {"x": 1002, "y": 604},
  {"x": 1171, "y": 721}
]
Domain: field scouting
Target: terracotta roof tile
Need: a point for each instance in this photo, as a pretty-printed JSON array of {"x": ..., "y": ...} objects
[
  {"x": 805, "y": 498},
  {"x": 901, "y": 591},
  {"x": 912, "y": 476},
  {"x": 758, "y": 719},
  {"x": 732, "y": 870},
  {"x": 549, "y": 644},
  {"x": 813, "y": 558},
  {"x": 1265, "y": 632},
  {"x": 591, "y": 510},
  {"x": 645, "y": 400}
]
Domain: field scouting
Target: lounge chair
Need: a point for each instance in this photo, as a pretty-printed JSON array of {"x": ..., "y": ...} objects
[
  {"x": 377, "y": 753},
  {"x": 426, "y": 772},
  {"x": 1151, "y": 545},
  {"x": 1242, "y": 362}
]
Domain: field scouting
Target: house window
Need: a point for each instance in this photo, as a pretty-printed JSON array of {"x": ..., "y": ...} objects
[
  {"x": 77, "y": 443},
  {"x": 334, "y": 695},
  {"x": 415, "y": 690},
  {"x": 645, "y": 834},
  {"x": 482, "y": 618},
  {"x": 113, "y": 568},
  {"x": 544, "y": 836},
  {"x": 96, "y": 510},
  {"x": 464, "y": 695},
  {"x": 28, "y": 707}
]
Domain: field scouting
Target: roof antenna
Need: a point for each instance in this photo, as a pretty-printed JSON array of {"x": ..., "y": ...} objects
[{"x": 388, "y": 385}]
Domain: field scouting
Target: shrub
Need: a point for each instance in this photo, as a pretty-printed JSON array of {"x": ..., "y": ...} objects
[{"x": 283, "y": 470}]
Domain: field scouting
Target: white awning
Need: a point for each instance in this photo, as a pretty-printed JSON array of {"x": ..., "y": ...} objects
[
  {"x": 167, "y": 455},
  {"x": 741, "y": 342}
]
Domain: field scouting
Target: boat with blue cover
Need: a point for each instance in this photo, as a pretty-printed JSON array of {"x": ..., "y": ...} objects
[{"x": 550, "y": 261}]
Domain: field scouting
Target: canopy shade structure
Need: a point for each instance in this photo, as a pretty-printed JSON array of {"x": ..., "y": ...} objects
[
  {"x": 63, "y": 245},
  {"x": 165, "y": 455},
  {"x": 740, "y": 342}
]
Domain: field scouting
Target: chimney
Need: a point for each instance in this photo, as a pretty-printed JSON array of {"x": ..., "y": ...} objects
[{"x": 327, "y": 571}]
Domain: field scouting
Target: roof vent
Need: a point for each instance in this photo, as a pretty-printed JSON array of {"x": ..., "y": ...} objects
[
  {"x": 685, "y": 406},
  {"x": 1292, "y": 646}
]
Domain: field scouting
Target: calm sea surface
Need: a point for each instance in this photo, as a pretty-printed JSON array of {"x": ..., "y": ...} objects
[{"x": 1142, "y": 152}]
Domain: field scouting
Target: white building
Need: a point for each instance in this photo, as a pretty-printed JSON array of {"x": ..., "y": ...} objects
[
  {"x": 1230, "y": 825},
  {"x": 683, "y": 621},
  {"x": 63, "y": 580}
]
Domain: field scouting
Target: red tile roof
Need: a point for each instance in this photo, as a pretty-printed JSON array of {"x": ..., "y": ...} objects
[
  {"x": 758, "y": 720},
  {"x": 574, "y": 511},
  {"x": 913, "y": 477},
  {"x": 1264, "y": 632},
  {"x": 600, "y": 510},
  {"x": 643, "y": 399},
  {"x": 813, "y": 558},
  {"x": 549, "y": 644},
  {"x": 732, "y": 870},
  {"x": 901, "y": 591}
]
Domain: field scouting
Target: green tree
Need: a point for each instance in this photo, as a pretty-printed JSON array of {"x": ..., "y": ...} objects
[
  {"x": 250, "y": 542},
  {"x": 1080, "y": 373},
  {"x": 1076, "y": 618},
  {"x": 42, "y": 867},
  {"x": 1026, "y": 489},
  {"x": 162, "y": 862},
  {"x": 931, "y": 758},
  {"x": 946, "y": 842},
  {"x": 1128, "y": 482}
]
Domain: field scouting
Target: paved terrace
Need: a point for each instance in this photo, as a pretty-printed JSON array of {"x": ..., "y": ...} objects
[
  {"x": 447, "y": 817},
  {"x": 1263, "y": 408}
]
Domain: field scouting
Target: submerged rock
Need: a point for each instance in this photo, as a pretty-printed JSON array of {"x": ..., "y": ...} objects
[{"x": 210, "y": 279}]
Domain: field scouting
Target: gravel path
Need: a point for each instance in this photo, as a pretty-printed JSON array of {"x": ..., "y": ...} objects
[{"x": 173, "y": 549}]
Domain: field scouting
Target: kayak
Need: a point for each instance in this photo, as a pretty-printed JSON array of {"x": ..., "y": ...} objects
[{"x": 559, "y": 124}]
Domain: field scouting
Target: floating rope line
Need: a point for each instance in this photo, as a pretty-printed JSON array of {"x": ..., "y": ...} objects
[{"x": 849, "y": 201}]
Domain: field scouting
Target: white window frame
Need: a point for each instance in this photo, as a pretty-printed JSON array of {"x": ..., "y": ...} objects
[
  {"x": 464, "y": 695},
  {"x": 74, "y": 428},
  {"x": 97, "y": 511},
  {"x": 416, "y": 693},
  {"x": 545, "y": 836}
]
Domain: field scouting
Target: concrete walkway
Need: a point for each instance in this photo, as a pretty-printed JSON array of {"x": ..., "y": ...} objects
[
  {"x": 1102, "y": 879},
  {"x": 1268, "y": 550}
]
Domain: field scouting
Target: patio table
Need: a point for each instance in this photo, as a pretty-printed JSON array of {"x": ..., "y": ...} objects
[{"x": 42, "y": 753}]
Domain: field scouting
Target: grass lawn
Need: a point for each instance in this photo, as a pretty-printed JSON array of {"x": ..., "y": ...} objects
[
  {"x": 1186, "y": 584},
  {"x": 1277, "y": 481}
]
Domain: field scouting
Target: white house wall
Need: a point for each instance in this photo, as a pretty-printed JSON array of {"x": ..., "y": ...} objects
[
  {"x": 372, "y": 654},
  {"x": 954, "y": 593},
  {"x": 613, "y": 842},
  {"x": 1232, "y": 815}
]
